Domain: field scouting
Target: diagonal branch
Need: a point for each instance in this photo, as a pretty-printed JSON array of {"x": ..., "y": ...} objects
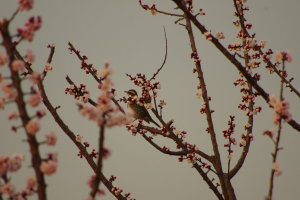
[
  {"x": 69, "y": 133},
  {"x": 233, "y": 60}
]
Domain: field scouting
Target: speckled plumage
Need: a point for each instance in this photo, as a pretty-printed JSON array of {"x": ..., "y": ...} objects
[{"x": 139, "y": 112}]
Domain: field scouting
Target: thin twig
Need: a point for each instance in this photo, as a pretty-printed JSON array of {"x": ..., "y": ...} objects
[{"x": 153, "y": 77}]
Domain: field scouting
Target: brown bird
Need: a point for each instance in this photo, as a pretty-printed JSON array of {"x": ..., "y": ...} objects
[{"x": 139, "y": 112}]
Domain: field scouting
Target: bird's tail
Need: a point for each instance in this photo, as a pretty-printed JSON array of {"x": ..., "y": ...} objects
[{"x": 155, "y": 123}]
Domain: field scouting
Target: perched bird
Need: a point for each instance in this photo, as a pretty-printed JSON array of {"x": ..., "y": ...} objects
[{"x": 139, "y": 112}]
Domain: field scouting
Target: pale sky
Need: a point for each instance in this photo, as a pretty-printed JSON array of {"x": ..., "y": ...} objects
[{"x": 133, "y": 41}]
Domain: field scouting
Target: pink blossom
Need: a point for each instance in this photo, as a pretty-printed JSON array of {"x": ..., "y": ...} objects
[
  {"x": 18, "y": 65},
  {"x": 9, "y": 91},
  {"x": 269, "y": 133},
  {"x": 288, "y": 56},
  {"x": 219, "y": 35},
  {"x": 29, "y": 55},
  {"x": 32, "y": 127},
  {"x": 3, "y": 59},
  {"x": 12, "y": 115},
  {"x": 34, "y": 100},
  {"x": 48, "y": 167},
  {"x": 35, "y": 77},
  {"x": 14, "y": 162},
  {"x": 30, "y": 182},
  {"x": 153, "y": 12},
  {"x": 40, "y": 113},
  {"x": 79, "y": 137},
  {"x": 27, "y": 32},
  {"x": 278, "y": 56},
  {"x": 51, "y": 138},
  {"x": 25, "y": 5},
  {"x": 48, "y": 67},
  {"x": 8, "y": 189},
  {"x": 162, "y": 103},
  {"x": 52, "y": 156}
]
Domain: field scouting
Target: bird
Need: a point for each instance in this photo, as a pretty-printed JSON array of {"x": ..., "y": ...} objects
[{"x": 139, "y": 112}]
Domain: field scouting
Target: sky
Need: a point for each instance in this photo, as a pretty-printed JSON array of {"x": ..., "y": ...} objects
[{"x": 133, "y": 41}]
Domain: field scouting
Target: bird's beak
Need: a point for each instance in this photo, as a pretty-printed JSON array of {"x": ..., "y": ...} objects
[{"x": 126, "y": 92}]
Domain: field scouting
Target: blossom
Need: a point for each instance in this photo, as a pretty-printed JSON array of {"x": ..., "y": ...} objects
[
  {"x": 25, "y": 5},
  {"x": 276, "y": 167},
  {"x": 269, "y": 133},
  {"x": 288, "y": 56},
  {"x": 103, "y": 72},
  {"x": 30, "y": 182},
  {"x": 29, "y": 55},
  {"x": 18, "y": 65},
  {"x": 35, "y": 77},
  {"x": 219, "y": 35},
  {"x": 32, "y": 127},
  {"x": 8, "y": 188},
  {"x": 14, "y": 162},
  {"x": 12, "y": 115},
  {"x": 162, "y": 103},
  {"x": 3, "y": 59},
  {"x": 48, "y": 167},
  {"x": 51, "y": 138},
  {"x": 278, "y": 56},
  {"x": 34, "y": 100},
  {"x": 229, "y": 156},
  {"x": 153, "y": 12},
  {"x": 48, "y": 67},
  {"x": 9, "y": 91},
  {"x": 32, "y": 24},
  {"x": 242, "y": 143},
  {"x": 79, "y": 137}
]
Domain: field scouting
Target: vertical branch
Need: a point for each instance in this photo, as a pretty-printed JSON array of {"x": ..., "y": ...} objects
[
  {"x": 217, "y": 164},
  {"x": 277, "y": 138},
  {"x": 19, "y": 100},
  {"x": 96, "y": 183}
]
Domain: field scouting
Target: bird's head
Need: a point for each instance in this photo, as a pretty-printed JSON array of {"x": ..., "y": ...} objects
[{"x": 131, "y": 93}]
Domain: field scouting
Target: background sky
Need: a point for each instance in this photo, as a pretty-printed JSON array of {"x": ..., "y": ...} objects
[{"x": 133, "y": 41}]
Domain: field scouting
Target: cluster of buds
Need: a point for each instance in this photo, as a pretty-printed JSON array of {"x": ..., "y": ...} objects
[
  {"x": 219, "y": 35},
  {"x": 146, "y": 7},
  {"x": 27, "y": 32},
  {"x": 234, "y": 46},
  {"x": 240, "y": 82},
  {"x": 197, "y": 60},
  {"x": 253, "y": 64},
  {"x": 94, "y": 153},
  {"x": 189, "y": 5},
  {"x": 112, "y": 178},
  {"x": 181, "y": 133},
  {"x": 79, "y": 91},
  {"x": 116, "y": 190},
  {"x": 133, "y": 127},
  {"x": 248, "y": 98}
]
